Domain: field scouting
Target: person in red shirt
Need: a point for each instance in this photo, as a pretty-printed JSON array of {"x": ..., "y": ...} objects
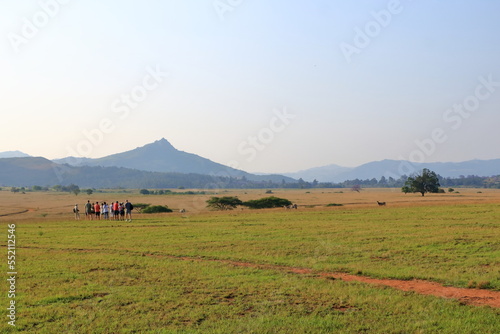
[
  {"x": 116, "y": 210},
  {"x": 97, "y": 209}
]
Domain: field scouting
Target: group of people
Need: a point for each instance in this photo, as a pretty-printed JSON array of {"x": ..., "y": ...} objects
[{"x": 103, "y": 210}]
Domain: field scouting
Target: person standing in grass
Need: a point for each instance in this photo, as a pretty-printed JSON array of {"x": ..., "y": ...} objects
[
  {"x": 88, "y": 210},
  {"x": 122, "y": 211},
  {"x": 128, "y": 210},
  {"x": 111, "y": 212},
  {"x": 77, "y": 212},
  {"x": 116, "y": 210},
  {"x": 97, "y": 209},
  {"x": 105, "y": 210}
]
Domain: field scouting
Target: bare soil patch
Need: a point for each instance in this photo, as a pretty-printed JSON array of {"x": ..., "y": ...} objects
[{"x": 476, "y": 297}]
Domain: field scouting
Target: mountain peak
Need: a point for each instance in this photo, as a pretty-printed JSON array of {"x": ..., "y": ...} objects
[
  {"x": 164, "y": 144},
  {"x": 13, "y": 154},
  {"x": 161, "y": 144}
]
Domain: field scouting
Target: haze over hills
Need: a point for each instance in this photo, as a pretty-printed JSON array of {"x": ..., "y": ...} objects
[
  {"x": 396, "y": 169},
  {"x": 37, "y": 171},
  {"x": 161, "y": 156},
  {"x": 321, "y": 174},
  {"x": 13, "y": 154}
]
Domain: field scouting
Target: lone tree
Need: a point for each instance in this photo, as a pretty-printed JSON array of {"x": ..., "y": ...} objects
[
  {"x": 356, "y": 188},
  {"x": 224, "y": 203},
  {"x": 426, "y": 182}
]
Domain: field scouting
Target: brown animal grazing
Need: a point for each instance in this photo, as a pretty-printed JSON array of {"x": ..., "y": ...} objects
[{"x": 380, "y": 203}]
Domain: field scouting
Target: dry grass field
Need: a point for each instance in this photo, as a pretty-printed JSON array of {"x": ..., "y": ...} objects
[
  {"x": 59, "y": 205},
  {"x": 319, "y": 269}
]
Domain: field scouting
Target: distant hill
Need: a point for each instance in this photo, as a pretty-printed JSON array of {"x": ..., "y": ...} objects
[
  {"x": 161, "y": 156},
  {"x": 167, "y": 165},
  {"x": 397, "y": 168},
  {"x": 13, "y": 154},
  {"x": 321, "y": 174},
  {"x": 28, "y": 172}
]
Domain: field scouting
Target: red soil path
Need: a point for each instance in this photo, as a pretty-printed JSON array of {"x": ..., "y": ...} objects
[{"x": 477, "y": 297}]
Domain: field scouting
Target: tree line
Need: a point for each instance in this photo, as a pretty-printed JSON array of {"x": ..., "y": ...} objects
[
  {"x": 471, "y": 181},
  {"x": 206, "y": 183}
]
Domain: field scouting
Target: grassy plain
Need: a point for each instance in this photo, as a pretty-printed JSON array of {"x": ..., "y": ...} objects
[{"x": 121, "y": 277}]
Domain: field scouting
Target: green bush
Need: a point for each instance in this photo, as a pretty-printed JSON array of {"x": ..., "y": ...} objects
[
  {"x": 156, "y": 209},
  {"x": 267, "y": 202}
]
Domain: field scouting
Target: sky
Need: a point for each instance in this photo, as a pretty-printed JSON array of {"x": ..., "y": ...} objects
[{"x": 260, "y": 85}]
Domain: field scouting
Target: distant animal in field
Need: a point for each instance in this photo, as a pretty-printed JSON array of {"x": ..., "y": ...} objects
[
  {"x": 381, "y": 203},
  {"x": 291, "y": 206},
  {"x": 182, "y": 210}
]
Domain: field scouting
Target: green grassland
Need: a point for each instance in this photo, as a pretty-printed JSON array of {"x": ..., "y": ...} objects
[{"x": 131, "y": 277}]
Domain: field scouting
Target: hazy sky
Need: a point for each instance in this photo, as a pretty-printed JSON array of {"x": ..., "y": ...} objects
[{"x": 263, "y": 85}]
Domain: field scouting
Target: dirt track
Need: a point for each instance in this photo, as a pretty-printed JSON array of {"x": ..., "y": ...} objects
[
  {"x": 477, "y": 297},
  {"x": 14, "y": 213}
]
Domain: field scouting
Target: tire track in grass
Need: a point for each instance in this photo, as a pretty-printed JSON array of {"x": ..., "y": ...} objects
[
  {"x": 476, "y": 297},
  {"x": 14, "y": 213}
]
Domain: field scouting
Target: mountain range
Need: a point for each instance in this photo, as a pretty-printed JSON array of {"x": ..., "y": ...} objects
[
  {"x": 155, "y": 165},
  {"x": 396, "y": 169},
  {"x": 161, "y": 156},
  {"x": 159, "y": 164}
]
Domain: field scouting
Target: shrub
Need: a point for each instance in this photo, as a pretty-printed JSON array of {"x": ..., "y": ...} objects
[
  {"x": 267, "y": 202},
  {"x": 334, "y": 204},
  {"x": 156, "y": 209}
]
